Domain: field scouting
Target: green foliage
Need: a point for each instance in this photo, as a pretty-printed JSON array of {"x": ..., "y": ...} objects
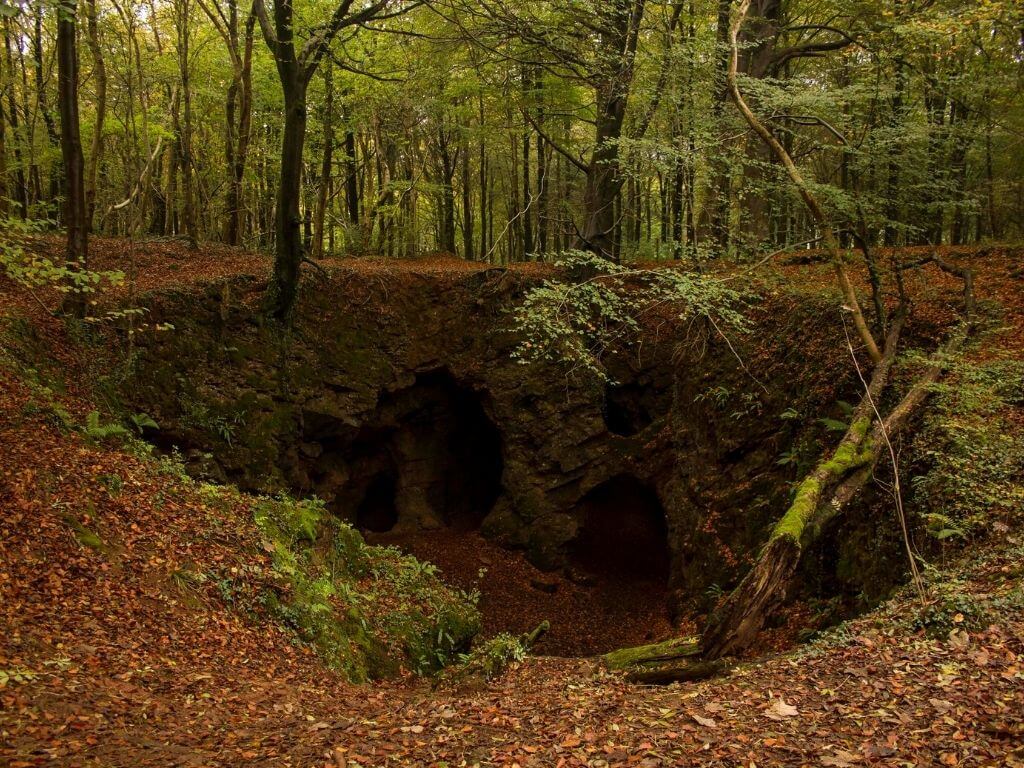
[
  {"x": 970, "y": 452},
  {"x": 365, "y": 609},
  {"x": 143, "y": 421},
  {"x": 28, "y": 268},
  {"x": 491, "y": 659},
  {"x": 210, "y": 419},
  {"x": 95, "y": 430},
  {"x": 596, "y": 303},
  {"x": 952, "y": 608},
  {"x": 19, "y": 675}
]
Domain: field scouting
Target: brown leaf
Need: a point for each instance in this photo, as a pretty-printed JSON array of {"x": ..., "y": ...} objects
[
  {"x": 707, "y": 722},
  {"x": 779, "y": 709}
]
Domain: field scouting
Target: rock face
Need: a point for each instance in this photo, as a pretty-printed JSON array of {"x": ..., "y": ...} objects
[{"x": 395, "y": 399}]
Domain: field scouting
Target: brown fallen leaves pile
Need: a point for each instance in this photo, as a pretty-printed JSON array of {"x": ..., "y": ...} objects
[{"x": 109, "y": 657}]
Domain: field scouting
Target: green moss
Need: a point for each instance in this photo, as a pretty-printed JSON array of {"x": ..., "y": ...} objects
[
  {"x": 624, "y": 658},
  {"x": 85, "y": 536},
  {"x": 800, "y": 511},
  {"x": 851, "y": 453}
]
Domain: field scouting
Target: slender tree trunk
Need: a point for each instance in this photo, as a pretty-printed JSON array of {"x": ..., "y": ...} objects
[
  {"x": 20, "y": 180},
  {"x": 810, "y": 201},
  {"x": 351, "y": 178},
  {"x": 525, "y": 219},
  {"x": 71, "y": 148},
  {"x": 4, "y": 191},
  {"x": 325, "y": 164},
  {"x": 484, "y": 181},
  {"x": 99, "y": 74},
  {"x": 467, "y": 201},
  {"x": 44, "y": 108},
  {"x": 185, "y": 139},
  {"x": 543, "y": 223}
]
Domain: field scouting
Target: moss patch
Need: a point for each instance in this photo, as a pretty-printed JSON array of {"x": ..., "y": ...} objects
[
  {"x": 850, "y": 454},
  {"x": 624, "y": 658},
  {"x": 367, "y": 610}
]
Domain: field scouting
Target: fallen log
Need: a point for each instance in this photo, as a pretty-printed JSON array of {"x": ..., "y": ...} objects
[
  {"x": 688, "y": 672},
  {"x": 656, "y": 653},
  {"x": 671, "y": 661}
]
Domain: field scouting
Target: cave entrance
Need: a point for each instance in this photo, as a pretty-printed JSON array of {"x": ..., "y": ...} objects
[
  {"x": 377, "y": 511},
  {"x": 428, "y": 456},
  {"x": 626, "y": 409},
  {"x": 623, "y": 533}
]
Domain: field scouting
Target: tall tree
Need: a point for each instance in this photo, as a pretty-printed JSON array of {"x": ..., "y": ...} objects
[
  {"x": 99, "y": 75},
  {"x": 295, "y": 68},
  {"x": 618, "y": 33},
  {"x": 76, "y": 255}
]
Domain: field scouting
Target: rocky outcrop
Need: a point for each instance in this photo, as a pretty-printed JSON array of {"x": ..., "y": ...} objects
[{"x": 395, "y": 399}]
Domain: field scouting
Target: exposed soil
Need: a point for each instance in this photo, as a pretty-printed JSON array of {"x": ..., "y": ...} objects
[{"x": 589, "y": 614}]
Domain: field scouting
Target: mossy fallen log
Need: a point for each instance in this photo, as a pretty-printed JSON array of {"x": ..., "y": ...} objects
[
  {"x": 670, "y": 661},
  {"x": 737, "y": 621},
  {"x": 685, "y": 672},
  {"x": 824, "y": 493},
  {"x": 641, "y": 655}
]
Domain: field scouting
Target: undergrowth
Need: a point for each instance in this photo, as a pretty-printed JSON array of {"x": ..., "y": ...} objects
[
  {"x": 367, "y": 610},
  {"x": 970, "y": 451}
]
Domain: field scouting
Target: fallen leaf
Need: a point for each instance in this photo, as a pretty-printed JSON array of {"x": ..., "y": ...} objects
[{"x": 780, "y": 709}]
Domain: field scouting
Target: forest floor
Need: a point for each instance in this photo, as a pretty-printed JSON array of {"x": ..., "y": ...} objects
[{"x": 106, "y": 660}]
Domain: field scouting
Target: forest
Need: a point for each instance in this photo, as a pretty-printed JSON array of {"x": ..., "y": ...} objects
[{"x": 511, "y": 382}]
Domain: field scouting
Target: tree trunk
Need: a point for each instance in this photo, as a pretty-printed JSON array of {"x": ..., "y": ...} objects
[
  {"x": 185, "y": 137},
  {"x": 526, "y": 222},
  {"x": 543, "y": 225},
  {"x": 620, "y": 28},
  {"x": 99, "y": 73},
  {"x": 76, "y": 255},
  {"x": 325, "y": 165},
  {"x": 351, "y": 178},
  {"x": 735, "y": 624},
  {"x": 467, "y": 201},
  {"x": 20, "y": 181},
  {"x": 287, "y": 223},
  {"x": 44, "y": 108},
  {"x": 603, "y": 181},
  {"x": 484, "y": 181},
  {"x": 4, "y": 192}
]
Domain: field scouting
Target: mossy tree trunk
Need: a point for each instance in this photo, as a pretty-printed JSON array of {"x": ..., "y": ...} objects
[
  {"x": 738, "y": 620},
  {"x": 825, "y": 492}
]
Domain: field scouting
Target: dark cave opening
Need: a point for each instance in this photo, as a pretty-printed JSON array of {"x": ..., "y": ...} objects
[
  {"x": 377, "y": 511},
  {"x": 427, "y": 456},
  {"x": 623, "y": 532},
  {"x": 626, "y": 409}
]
